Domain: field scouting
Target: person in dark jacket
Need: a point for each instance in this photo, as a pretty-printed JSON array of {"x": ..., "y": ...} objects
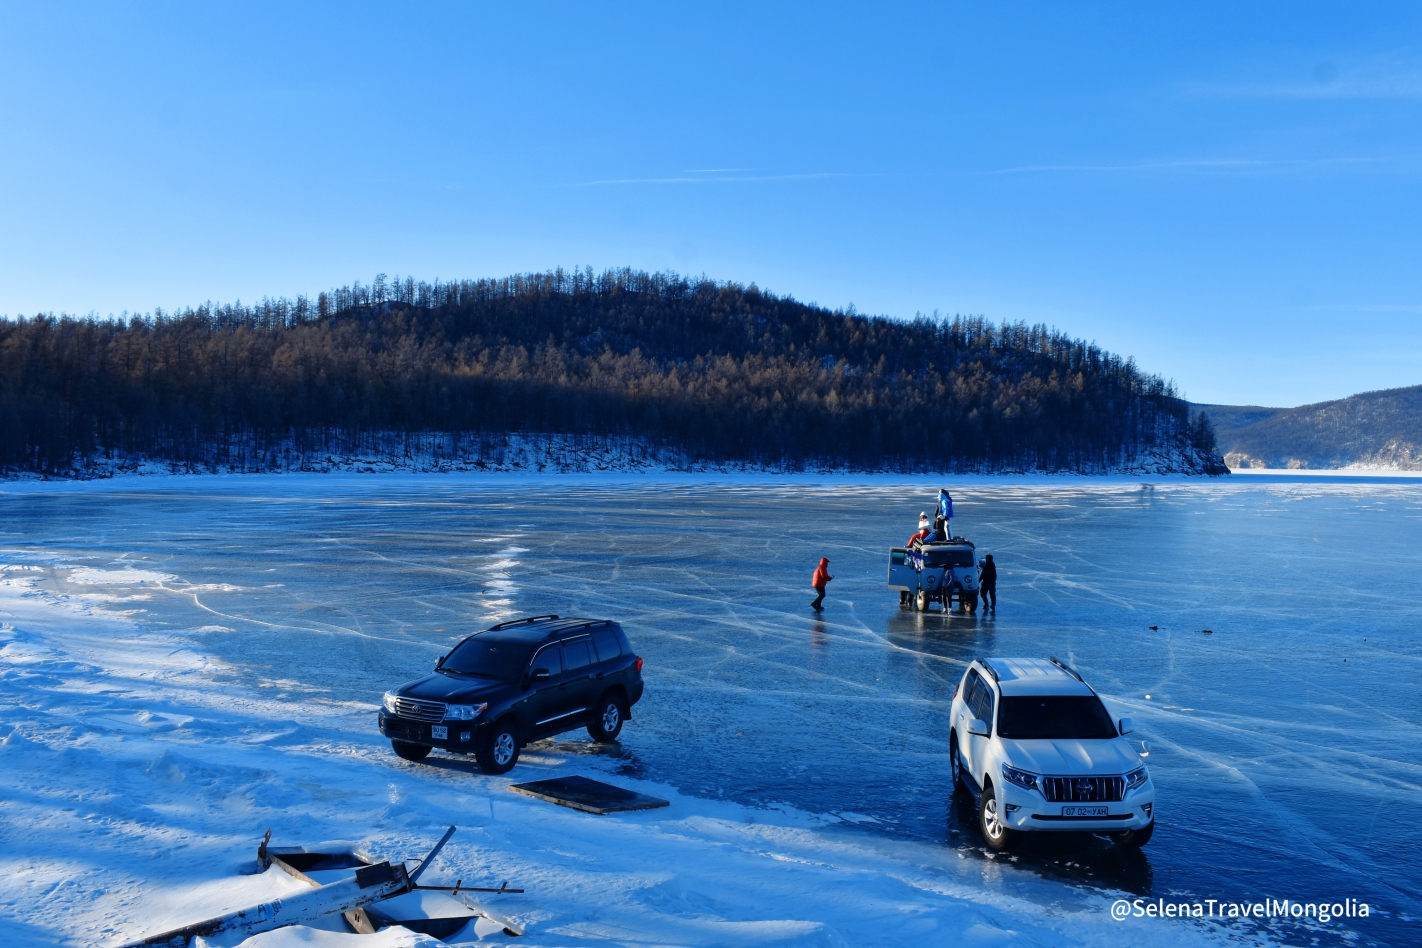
[
  {"x": 819, "y": 581},
  {"x": 987, "y": 583}
]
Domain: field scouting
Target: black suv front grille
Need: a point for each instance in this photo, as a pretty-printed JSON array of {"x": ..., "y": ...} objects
[
  {"x": 1083, "y": 789},
  {"x": 431, "y": 712},
  {"x": 404, "y": 730}
]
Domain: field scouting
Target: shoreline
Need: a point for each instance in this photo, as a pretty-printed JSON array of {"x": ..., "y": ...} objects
[{"x": 347, "y": 480}]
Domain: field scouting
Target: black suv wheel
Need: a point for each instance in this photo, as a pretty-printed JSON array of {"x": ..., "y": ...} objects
[
  {"x": 607, "y": 719},
  {"x": 498, "y": 751},
  {"x": 407, "y": 751}
]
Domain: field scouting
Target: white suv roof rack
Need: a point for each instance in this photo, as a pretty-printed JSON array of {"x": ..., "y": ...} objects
[{"x": 1035, "y": 676}]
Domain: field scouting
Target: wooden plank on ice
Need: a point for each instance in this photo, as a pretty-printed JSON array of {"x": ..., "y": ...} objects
[
  {"x": 371, "y": 884},
  {"x": 267, "y": 855},
  {"x": 510, "y": 926}
]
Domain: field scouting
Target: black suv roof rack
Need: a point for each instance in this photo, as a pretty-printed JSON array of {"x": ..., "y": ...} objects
[
  {"x": 1064, "y": 667},
  {"x": 577, "y": 626},
  {"x": 524, "y": 621},
  {"x": 988, "y": 665}
]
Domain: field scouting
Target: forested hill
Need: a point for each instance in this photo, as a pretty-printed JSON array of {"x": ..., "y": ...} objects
[
  {"x": 1374, "y": 430},
  {"x": 708, "y": 373}
]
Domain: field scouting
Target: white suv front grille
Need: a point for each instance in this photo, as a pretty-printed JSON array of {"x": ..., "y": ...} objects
[
  {"x": 1083, "y": 789},
  {"x": 431, "y": 712}
]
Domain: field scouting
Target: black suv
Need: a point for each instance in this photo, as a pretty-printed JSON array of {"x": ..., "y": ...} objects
[{"x": 513, "y": 683}]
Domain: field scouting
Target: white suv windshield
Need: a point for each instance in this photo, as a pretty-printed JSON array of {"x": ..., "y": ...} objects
[{"x": 1054, "y": 717}]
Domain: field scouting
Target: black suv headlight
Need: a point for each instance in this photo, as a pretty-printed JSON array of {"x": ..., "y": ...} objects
[
  {"x": 389, "y": 702},
  {"x": 1021, "y": 778},
  {"x": 1137, "y": 777},
  {"x": 463, "y": 712}
]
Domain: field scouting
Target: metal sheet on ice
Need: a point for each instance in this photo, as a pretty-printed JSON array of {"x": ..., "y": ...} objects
[{"x": 591, "y": 796}]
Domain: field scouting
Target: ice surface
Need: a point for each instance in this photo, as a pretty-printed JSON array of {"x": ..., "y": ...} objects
[{"x": 146, "y": 744}]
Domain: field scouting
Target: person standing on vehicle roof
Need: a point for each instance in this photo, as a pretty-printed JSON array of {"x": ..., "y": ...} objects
[
  {"x": 987, "y": 584},
  {"x": 819, "y": 581},
  {"x": 945, "y": 511}
]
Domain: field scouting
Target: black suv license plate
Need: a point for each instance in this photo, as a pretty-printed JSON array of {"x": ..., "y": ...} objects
[
  {"x": 1085, "y": 811},
  {"x": 439, "y": 733}
]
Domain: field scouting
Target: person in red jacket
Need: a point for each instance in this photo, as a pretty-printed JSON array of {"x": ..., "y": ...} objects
[
  {"x": 819, "y": 581},
  {"x": 924, "y": 531}
]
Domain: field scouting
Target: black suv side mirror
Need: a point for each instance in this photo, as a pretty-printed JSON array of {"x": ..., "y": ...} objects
[{"x": 440, "y": 664}]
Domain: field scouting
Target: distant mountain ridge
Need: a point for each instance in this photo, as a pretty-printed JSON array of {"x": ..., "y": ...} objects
[{"x": 1379, "y": 430}]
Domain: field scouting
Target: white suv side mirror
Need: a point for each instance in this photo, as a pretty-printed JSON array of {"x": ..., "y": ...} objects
[
  {"x": 978, "y": 726},
  {"x": 1126, "y": 726}
]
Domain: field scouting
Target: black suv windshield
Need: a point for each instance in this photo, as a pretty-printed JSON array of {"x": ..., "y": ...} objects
[
  {"x": 504, "y": 661},
  {"x": 1054, "y": 717}
]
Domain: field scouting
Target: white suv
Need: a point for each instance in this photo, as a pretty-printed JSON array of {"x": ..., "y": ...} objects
[{"x": 1038, "y": 751}]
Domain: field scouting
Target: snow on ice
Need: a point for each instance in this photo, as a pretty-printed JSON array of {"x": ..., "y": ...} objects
[{"x": 137, "y": 776}]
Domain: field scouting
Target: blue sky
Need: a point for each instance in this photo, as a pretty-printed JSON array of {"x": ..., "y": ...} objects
[{"x": 1227, "y": 192}]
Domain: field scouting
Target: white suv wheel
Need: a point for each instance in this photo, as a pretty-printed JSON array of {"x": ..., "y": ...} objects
[
  {"x": 995, "y": 833},
  {"x": 991, "y": 824}
]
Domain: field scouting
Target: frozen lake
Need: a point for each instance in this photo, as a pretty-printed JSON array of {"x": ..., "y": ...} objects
[{"x": 1284, "y": 743}]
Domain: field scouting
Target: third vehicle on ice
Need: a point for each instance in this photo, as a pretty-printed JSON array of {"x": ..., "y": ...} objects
[
  {"x": 936, "y": 571},
  {"x": 1038, "y": 751},
  {"x": 513, "y": 683}
]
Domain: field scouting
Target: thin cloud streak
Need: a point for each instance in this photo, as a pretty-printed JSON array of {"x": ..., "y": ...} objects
[
  {"x": 1190, "y": 164},
  {"x": 1362, "y": 308},
  {"x": 1184, "y": 165},
  {"x": 734, "y": 180}
]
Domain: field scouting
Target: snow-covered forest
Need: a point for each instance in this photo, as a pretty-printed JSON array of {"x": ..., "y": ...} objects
[{"x": 700, "y": 371}]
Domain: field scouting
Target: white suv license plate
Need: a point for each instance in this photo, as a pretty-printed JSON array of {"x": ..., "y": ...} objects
[
  {"x": 441, "y": 733},
  {"x": 1071, "y": 810}
]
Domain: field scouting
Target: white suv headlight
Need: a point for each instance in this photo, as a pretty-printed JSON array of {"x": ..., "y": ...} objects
[
  {"x": 463, "y": 712},
  {"x": 390, "y": 702},
  {"x": 1023, "y": 779},
  {"x": 1136, "y": 777}
]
